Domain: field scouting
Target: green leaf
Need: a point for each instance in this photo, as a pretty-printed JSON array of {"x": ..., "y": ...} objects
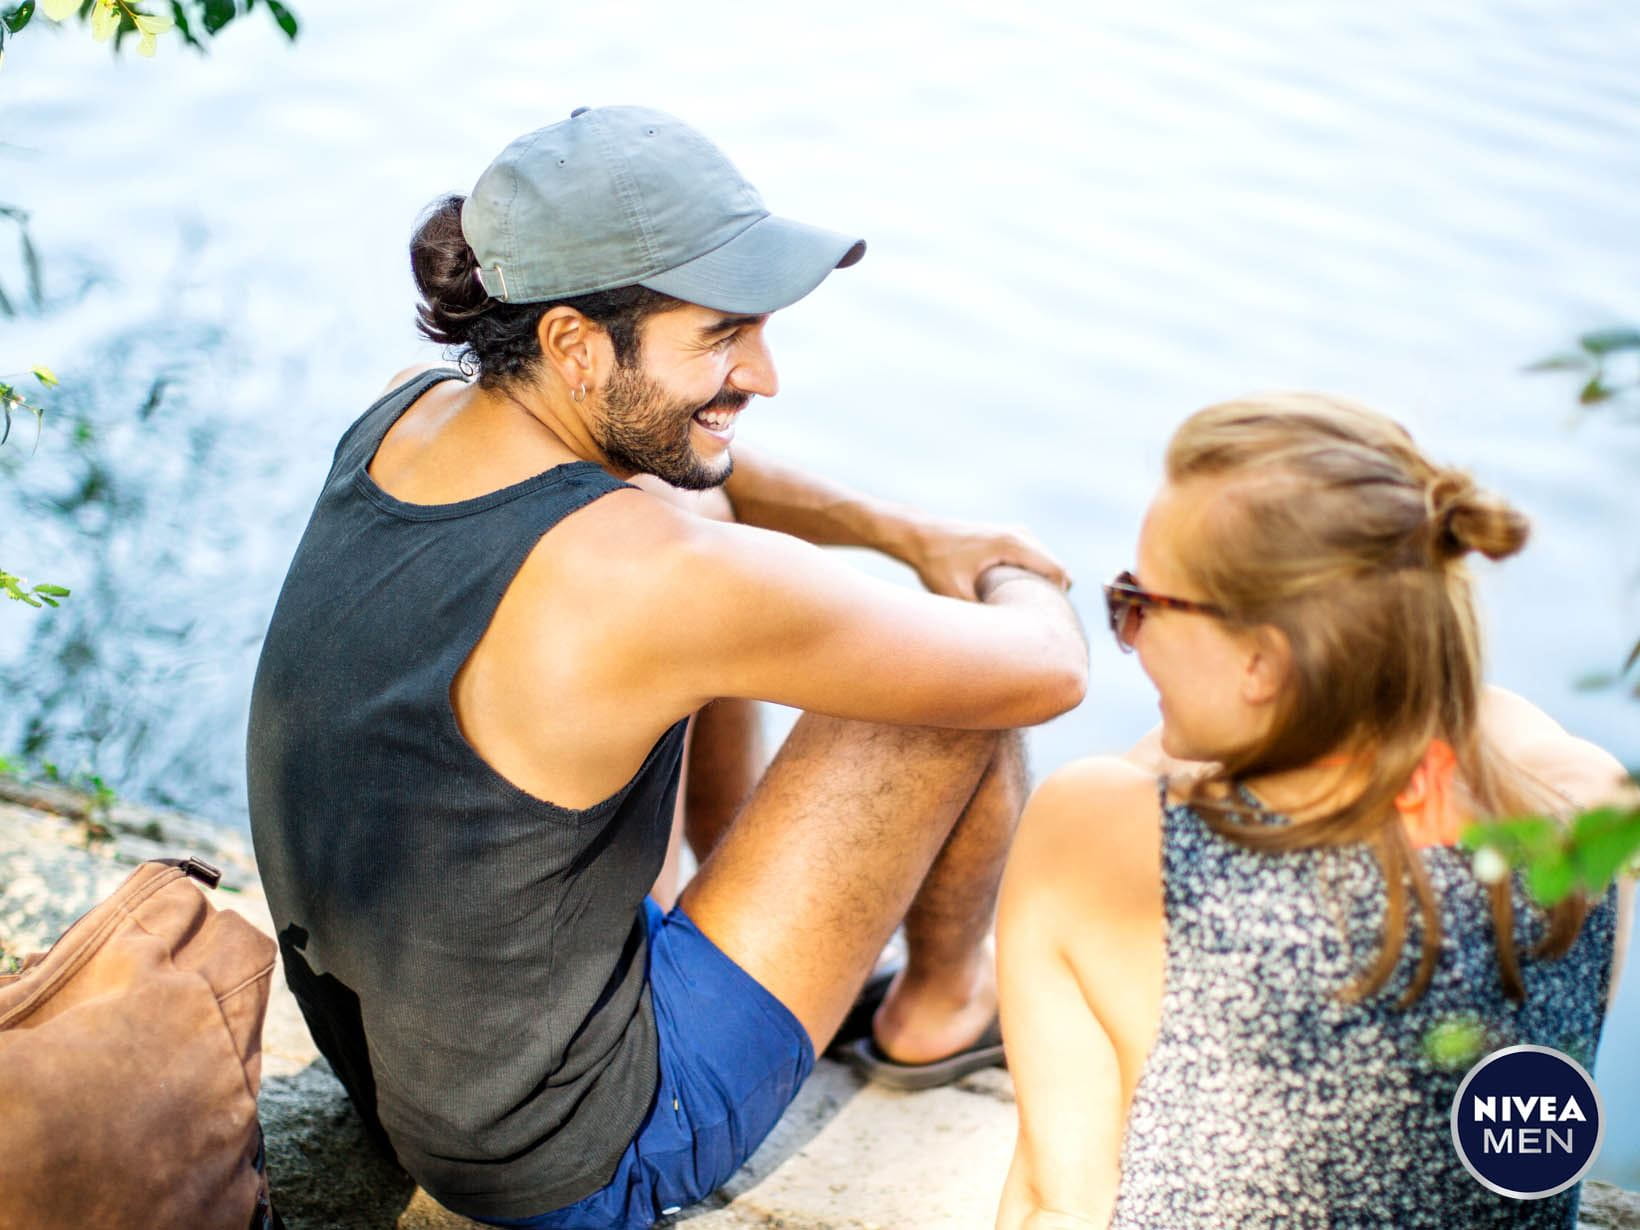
[
  {"x": 105, "y": 20},
  {"x": 1594, "y": 392},
  {"x": 285, "y": 18},
  {"x": 1563, "y": 362},
  {"x": 1594, "y": 681},
  {"x": 156, "y": 394},
  {"x": 1550, "y": 878},
  {"x": 18, "y": 17},
  {"x": 152, "y": 23},
  {"x": 1518, "y": 838},
  {"x": 55, "y": 591},
  {"x": 46, "y": 376},
  {"x": 1454, "y": 1043},
  {"x": 216, "y": 14},
  {"x": 1603, "y": 840},
  {"x": 1606, "y": 341},
  {"x": 36, "y": 286},
  {"x": 183, "y": 28}
]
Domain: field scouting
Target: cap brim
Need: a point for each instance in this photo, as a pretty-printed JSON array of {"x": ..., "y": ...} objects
[{"x": 770, "y": 265}]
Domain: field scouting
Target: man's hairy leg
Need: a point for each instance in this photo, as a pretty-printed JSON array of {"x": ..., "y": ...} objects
[
  {"x": 665, "y": 888},
  {"x": 829, "y": 854},
  {"x": 725, "y": 763},
  {"x": 722, "y": 759},
  {"x": 947, "y": 993}
]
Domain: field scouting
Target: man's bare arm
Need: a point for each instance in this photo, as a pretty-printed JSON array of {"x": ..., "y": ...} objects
[
  {"x": 764, "y": 616},
  {"x": 947, "y": 555}
]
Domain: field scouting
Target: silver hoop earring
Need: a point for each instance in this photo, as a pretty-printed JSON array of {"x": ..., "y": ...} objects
[{"x": 580, "y": 394}]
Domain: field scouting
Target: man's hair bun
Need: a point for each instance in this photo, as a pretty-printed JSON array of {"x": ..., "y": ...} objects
[{"x": 446, "y": 273}]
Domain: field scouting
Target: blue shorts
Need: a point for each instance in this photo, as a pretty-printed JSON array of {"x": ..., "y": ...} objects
[{"x": 732, "y": 1057}]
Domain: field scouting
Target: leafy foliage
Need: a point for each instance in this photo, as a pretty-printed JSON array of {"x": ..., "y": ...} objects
[
  {"x": 35, "y": 595},
  {"x": 15, "y": 587},
  {"x": 1607, "y": 363},
  {"x": 195, "y": 21},
  {"x": 1600, "y": 845},
  {"x": 1558, "y": 859},
  {"x": 33, "y": 286}
]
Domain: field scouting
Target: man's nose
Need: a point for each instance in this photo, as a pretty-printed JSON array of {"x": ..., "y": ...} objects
[{"x": 754, "y": 369}]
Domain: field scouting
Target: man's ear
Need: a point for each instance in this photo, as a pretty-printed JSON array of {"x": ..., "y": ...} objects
[
  {"x": 568, "y": 346},
  {"x": 1267, "y": 666}
]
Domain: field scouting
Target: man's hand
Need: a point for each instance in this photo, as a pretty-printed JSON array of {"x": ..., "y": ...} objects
[
  {"x": 947, "y": 555},
  {"x": 950, "y": 556}
]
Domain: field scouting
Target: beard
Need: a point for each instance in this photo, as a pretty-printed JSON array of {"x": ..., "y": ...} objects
[{"x": 645, "y": 429}]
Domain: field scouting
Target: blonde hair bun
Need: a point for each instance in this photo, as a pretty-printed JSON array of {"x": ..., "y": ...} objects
[{"x": 1464, "y": 518}]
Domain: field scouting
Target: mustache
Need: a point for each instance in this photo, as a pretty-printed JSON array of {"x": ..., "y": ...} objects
[{"x": 727, "y": 399}]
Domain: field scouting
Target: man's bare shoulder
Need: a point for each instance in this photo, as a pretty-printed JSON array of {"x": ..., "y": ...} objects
[
  {"x": 627, "y": 538},
  {"x": 409, "y": 373},
  {"x": 645, "y": 563}
]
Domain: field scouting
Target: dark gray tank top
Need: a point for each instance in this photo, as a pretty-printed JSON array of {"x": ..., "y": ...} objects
[{"x": 469, "y": 958}]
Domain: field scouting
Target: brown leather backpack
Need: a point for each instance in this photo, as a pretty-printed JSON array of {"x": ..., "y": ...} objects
[{"x": 130, "y": 1056}]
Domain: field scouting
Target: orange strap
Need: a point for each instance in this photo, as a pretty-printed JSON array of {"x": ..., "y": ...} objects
[{"x": 1426, "y": 803}]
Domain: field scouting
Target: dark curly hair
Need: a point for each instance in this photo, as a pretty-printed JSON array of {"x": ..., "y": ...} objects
[{"x": 497, "y": 340}]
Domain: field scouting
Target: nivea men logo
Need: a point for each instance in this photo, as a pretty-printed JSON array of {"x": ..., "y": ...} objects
[{"x": 1527, "y": 1122}]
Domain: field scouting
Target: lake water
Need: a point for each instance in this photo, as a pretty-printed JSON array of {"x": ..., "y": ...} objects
[{"x": 1085, "y": 221}]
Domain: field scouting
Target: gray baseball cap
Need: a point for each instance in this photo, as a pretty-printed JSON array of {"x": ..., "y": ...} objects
[{"x": 622, "y": 196}]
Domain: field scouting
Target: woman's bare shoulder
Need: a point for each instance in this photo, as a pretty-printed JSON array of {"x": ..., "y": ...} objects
[
  {"x": 1093, "y": 827},
  {"x": 1536, "y": 743}
]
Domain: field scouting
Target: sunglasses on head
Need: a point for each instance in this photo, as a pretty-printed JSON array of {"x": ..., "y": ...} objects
[{"x": 1126, "y": 603}]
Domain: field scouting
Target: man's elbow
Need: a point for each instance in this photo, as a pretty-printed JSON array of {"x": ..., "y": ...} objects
[{"x": 1058, "y": 689}]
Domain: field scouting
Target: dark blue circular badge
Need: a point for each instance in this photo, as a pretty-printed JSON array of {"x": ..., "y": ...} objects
[{"x": 1527, "y": 1122}]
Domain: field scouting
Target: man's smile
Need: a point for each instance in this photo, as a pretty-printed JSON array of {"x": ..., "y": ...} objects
[{"x": 717, "y": 422}]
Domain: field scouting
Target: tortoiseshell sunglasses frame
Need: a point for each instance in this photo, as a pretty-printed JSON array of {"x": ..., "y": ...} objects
[{"x": 1125, "y": 598}]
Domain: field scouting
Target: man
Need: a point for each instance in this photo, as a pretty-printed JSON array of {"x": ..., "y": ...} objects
[{"x": 470, "y": 718}]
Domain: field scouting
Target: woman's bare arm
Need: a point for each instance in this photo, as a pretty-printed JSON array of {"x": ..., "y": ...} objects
[{"x": 1084, "y": 874}]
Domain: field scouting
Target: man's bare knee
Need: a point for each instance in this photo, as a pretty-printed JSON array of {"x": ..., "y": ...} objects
[{"x": 853, "y": 747}]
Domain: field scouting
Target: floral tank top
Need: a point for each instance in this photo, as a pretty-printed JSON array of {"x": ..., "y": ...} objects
[{"x": 1266, "y": 1101}]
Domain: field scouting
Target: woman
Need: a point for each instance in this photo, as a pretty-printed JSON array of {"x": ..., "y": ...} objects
[{"x": 1218, "y": 987}]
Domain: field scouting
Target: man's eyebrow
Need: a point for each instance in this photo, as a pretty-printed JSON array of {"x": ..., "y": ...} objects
[{"x": 724, "y": 324}]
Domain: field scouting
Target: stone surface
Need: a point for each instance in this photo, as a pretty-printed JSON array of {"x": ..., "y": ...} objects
[
  {"x": 889, "y": 1159},
  {"x": 1607, "y": 1207},
  {"x": 846, "y": 1155}
]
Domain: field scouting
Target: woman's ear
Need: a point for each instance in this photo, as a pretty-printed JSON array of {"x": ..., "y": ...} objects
[{"x": 1267, "y": 666}]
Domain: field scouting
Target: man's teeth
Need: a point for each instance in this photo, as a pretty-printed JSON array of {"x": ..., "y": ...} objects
[{"x": 717, "y": 420}]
